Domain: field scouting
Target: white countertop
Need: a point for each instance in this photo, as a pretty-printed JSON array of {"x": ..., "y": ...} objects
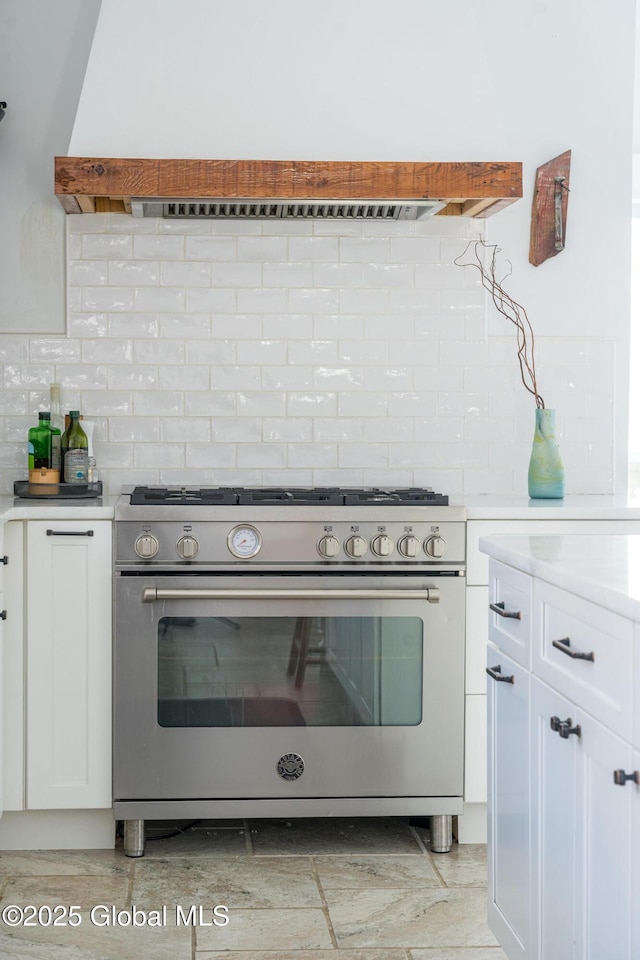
[
  {"x": 96, "y": 508},
  {"x": 584, "y": 507},
  {"x": 602, "y": 568},
  {"x": 485, "y": 507}
]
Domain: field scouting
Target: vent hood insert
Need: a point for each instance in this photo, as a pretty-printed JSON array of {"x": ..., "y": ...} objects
[
  {"x": 247, "y": 209},
  {"x": 279, "y": 189}
]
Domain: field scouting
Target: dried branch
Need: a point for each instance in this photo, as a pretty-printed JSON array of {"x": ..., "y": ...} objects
[{"x": 508, "y": 307}]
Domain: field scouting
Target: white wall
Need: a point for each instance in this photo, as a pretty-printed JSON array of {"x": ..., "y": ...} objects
[
  {"x": 467, "y": 80},
  {"x": 43, "y": 54}
]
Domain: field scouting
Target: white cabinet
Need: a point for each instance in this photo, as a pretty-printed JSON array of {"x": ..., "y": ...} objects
[
  {"x": 477, "y": 636},
  {"x": 564, "y": 828},
  {"x": 13, "y": 661},
  {"x": 509, "y": 879},
  {"x": 581, "y": 831},
  {"x": 68, "y": 676},
  {"x": 633, "y": 786}
]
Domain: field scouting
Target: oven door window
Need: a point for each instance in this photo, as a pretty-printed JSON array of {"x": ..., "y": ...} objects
[{"x": 290, "y": 671}]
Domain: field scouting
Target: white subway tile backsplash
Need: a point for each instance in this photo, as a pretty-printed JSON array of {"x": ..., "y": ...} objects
[
  {"x": 103, "y": 245},
  {"x": 263, "y": 300},
  {"x": 301, "y": 352},
  {"x": 287, "y": 429},
  {"x": 27, "y": 375},
  {"x": 262, "y": 248},
  {"x": 290, "y": 377},
  {"x": 132, "y": 377},
  {"x": 262, "y": 351},
  {"x": 288, "y": 275},
  {"x": 160, "y": 351},
  {"x": 134, "y": 429},
  {"x": 134, "y": 325},
  {"x": 184, "y": 430},
  {"x": 134, "y": 272},
  {"x": 107, "y": 298},
  {"x": 159, "y": 455},
  {"x": 153, "y": 247},
  {"x": 55, "y": 350},
  {"x": 184, "y": 377},
  {"x": 261, "y": 404},
  {"x": 107, "y": 351},
  {"x": 289, "y": 326},
  {"x": 263, "y": 455},
  {"x": 210, "y": 404},
  {"x": 182, "y": 274},
  {"x": 236, "y": 430},
  {"x": 159, "y": 299}
]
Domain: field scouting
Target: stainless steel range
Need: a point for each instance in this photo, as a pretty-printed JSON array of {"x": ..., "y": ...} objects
[{"x": 288, "y": 652}]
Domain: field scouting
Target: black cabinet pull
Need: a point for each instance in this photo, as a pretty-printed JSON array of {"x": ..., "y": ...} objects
[
  {"x": 4, "y": 560},
  {"x": 564, "y": 728},
  {"x": 500, "y": 610},
  {"x": 496, "y": 674},
  {"x": 3, "y": 614},
  {"x": 69, "y": 533},
  {"x": 620, "y": 777},
  {"x": 564, "y": 646}
]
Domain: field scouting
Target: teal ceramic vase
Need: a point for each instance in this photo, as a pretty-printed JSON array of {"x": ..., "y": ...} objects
[{"x": 546, "y": 470}]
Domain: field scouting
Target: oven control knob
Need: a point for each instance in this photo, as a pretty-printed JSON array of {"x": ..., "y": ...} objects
[
  {"x": 187, "y": 548},
  {"x": 356, "y": 546},
  {"x": 328, "y": 547},
  {"x": 146, "y": 546},
  {"x": 382, "y": 546},
  {"x": 435, "y": 547},
  {"x": 409, "y": 546}
]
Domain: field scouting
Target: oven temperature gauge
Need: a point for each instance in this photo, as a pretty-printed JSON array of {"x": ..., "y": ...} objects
[{"x": 244, "y": 541}]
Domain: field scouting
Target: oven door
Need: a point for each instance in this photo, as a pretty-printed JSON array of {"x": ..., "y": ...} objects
[{"x": 288, "y": 686}]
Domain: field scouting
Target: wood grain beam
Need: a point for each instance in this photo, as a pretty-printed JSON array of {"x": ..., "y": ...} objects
[{"x": 294, "y": 179}]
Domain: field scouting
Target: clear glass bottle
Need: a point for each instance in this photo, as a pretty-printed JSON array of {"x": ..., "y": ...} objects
[
  {"x": 75, "y": 451},
  {"x": 55, "y": 405}
]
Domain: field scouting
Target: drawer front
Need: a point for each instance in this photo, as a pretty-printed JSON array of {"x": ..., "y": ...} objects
[
  {"x": 586, "y": 653},
  {"x": 636, "y": 706},
  {"x": 510, "y": 611}
]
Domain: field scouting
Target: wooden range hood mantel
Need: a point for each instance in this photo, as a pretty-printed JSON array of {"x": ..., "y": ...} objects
[{"x": 99, "y": 185}]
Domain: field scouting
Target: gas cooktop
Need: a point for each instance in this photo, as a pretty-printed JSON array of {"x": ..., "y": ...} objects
[{"x": 283, "y": 496}]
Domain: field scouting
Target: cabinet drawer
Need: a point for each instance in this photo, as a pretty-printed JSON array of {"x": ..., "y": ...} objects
[
  {"x": 510, "y": 611},
  {"x": 585, "y": 652}
]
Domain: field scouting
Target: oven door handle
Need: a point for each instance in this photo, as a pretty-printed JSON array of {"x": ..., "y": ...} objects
[{"x": 151, "y": 594}]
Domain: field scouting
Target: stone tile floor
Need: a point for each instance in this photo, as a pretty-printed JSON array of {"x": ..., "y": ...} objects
[{"x": 326, "y": 889}]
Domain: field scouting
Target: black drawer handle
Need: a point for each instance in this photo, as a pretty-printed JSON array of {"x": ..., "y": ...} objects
[
  {"x": 496, "y": 674},
  {"x": 500, "y": 610},
  {"x": 564, "y": 646},
  {"x": 564, "y": 728},
  {"x": 69, "y": 533},
  {"x": 3, "y": 614},
  {"x": 4, "y": 560},
  {"x": 620, "y": 777}
]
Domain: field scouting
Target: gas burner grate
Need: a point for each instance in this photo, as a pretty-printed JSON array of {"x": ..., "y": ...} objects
[
  {"x": 318, "y": 496},
  {"x": 402, "y": 496},
  {"x": 170, "y": 496},
  {"x": 281, "y": 496}
]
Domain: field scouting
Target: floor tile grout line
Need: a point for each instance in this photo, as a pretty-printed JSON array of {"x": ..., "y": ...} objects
[
  {"x": 247, "y": 838},
  {"x": 421, "y": 844},
  {"x": 323, "y": 901}
]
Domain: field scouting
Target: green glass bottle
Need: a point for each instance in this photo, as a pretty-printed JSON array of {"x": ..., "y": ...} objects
[
  {"x": 39, "y": 444},
  {"x": 75, "y": 451}
]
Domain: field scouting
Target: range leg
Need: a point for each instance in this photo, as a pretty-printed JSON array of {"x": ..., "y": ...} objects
[
  {"x": 441, "y": 833},
  {"x": 134, "y": 838}
]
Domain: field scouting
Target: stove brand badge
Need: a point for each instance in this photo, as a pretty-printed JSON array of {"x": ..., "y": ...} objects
[{"x": 290, "y": 766}]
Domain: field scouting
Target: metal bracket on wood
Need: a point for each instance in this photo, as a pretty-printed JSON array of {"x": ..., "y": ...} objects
[{"x": 549, "y": 212}]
